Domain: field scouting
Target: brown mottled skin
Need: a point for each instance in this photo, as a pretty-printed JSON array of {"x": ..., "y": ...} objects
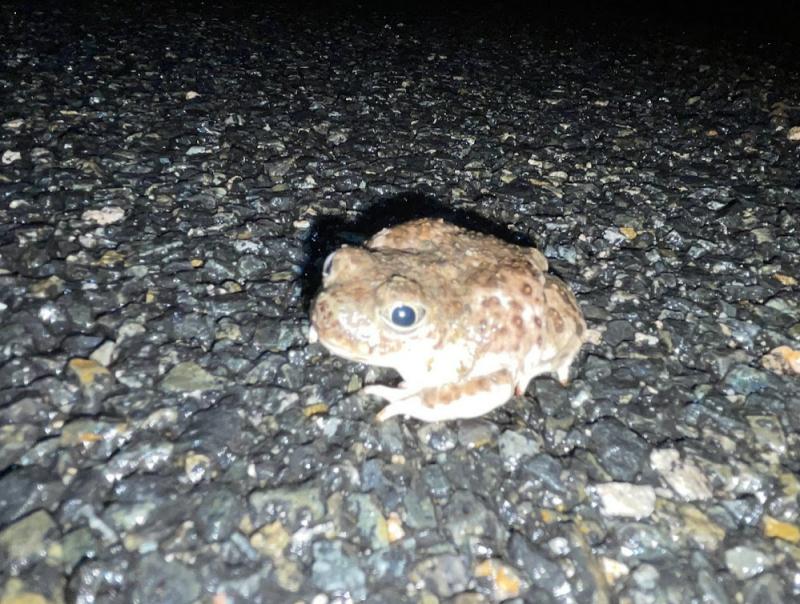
[{"x": 488, "y": 317}]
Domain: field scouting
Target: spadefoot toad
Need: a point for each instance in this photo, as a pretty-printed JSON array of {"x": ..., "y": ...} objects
[{"x": 465, "y": 318}]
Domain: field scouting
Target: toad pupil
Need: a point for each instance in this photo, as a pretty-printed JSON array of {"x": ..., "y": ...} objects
[{"x": 403, "y": 316}]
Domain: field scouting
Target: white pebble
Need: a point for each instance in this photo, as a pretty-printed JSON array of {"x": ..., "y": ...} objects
[
  {"x": 682, "y": 475},
  {"x": 626, "y": 500},
  {"x": 103, "y": 353},
  {"x": 107, "y": 215},
  {"x": 613, "y": 236},
  {"x": 746, "y": 562},
  {"x": 9, "y": 157}
]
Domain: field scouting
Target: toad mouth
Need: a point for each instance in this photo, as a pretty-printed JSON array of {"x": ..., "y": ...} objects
[{"x": 335, "y": 349}]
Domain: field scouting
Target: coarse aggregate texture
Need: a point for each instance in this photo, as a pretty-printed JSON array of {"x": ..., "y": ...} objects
[{"x": 170, "y": 179}]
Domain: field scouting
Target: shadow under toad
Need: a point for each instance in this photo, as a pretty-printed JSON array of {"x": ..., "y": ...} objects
[{"x": 328, "y": 233}]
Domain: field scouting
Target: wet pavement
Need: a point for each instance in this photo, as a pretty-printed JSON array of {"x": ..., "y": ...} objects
[{"x": 170, "y": 180}]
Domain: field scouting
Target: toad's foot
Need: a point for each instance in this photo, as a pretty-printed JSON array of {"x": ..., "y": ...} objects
[{"x": 471, "y": 398}]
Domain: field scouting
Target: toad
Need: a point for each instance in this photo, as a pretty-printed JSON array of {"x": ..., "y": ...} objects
[{"x": 466, "y": 319}]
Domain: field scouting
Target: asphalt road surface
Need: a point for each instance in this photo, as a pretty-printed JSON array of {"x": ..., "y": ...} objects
[{"x": 171, "y": 177}]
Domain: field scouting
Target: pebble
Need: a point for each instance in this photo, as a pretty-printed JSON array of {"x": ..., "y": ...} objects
[
  {"x": 474, "y": 434},
  {"x": 768, "y": 432},
  {"x": 370, "y": 522},
  {"x": 437, "y": 437},
  {"x": 767, "y": 589},
  {"x": 467, "y": 516},
  {"x": 190, "y": 377},
  {"x": 444, "y": 575},
  {"x": 782, "y": 360},
  {"x": 620, "y": 451},
  {"x": 87, "y": 371},
  {"x": 504, "y": 581},
  {"x": 49, "y": 288},
  {"x": 25, "y": 541},
  {"x": 291, "y": 504},
  {"x": 27, "y": 489},
  {"x": 9, "y": 157},
  {"x": 514, "y": 447},
  {"x": 626, "y": 500},
  {"x": 420, "y": 510},
  {"x": 16, "y": 592},
  {"x": 15, "y": 439},
  {"x": 682, "y": 475},
  {"x": 743, "y": 379},
  {"x": 711, "y": 587},
  {"x": 159, "y": 580},
  {"x": 219, "y": 514},
  {"x": 746, "y": 562},
  {"x": 646, "y": 577},
  {"x": 336, "y": 572},
  {"x": 618, "y": 332},
  {"x": 641, "y": 542},
  {"x": 786, "y": 531},
  {"x": 104, "y": 216},
  {"x": 697, "y": 527},
  {"x": 614, "y": 570},
  {"x": 104, "y": 353},
  {"x": 536, "y": 566}
]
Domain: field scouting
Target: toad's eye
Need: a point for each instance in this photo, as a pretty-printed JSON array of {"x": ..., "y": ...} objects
[
  {"x": 327, "y": 265},
  {"x": 403, "y": 316}
]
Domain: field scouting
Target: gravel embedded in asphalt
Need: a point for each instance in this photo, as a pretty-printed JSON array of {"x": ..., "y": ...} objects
[{"x": 170, "y": 181}]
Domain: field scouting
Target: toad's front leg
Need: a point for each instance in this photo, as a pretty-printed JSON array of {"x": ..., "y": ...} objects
[{"x": 471, "y": 398}]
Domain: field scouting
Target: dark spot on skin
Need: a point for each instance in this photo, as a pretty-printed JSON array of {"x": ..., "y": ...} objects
[
  {"x": 538, "y": 322},
  {"x": 557, "y": 320},
  {"x": 490, "y": 302},
  {"x": 527, "y": 289},
  {"x": 517, "y": 320},
  {"x": 566, "y": 297},
  {"x": 440, "y": 396},
  {"x": 539, "y": 341},
  {"x": 448, "y": 396}
]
